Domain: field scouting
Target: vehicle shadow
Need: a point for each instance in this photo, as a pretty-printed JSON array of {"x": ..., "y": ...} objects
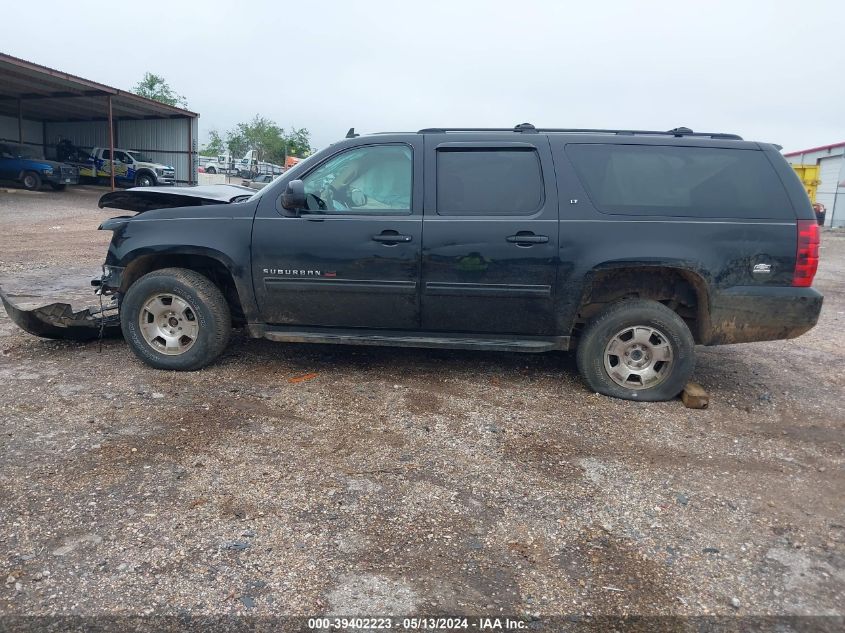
[
  {"x": 733, "y": 369},
  {"x": 402, "y": 362}
]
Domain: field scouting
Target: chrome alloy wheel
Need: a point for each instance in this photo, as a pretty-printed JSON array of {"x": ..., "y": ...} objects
[
  {"x": 169, "y": 324},
  {"x": 638, "y": 357}
]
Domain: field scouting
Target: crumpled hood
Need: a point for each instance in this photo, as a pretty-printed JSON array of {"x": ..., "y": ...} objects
[{"x": 142, "y": 199}]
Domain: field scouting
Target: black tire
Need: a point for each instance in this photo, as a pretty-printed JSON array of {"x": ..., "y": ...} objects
[
  {"x": 145, "y": 180},
  {"x": 206, "y": 302},
  {"x": 58, "y": 187},
  {"x": 31, "y": 181},
  {"x": 613, "y": 321},
  {"x": 211, "y": 170}
]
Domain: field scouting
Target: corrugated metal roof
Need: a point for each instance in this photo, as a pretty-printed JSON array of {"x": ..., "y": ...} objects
[{"x": 47, "y": 94}]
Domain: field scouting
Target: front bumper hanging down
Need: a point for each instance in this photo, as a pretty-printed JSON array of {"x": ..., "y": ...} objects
[{"x": 59, "y": 321}]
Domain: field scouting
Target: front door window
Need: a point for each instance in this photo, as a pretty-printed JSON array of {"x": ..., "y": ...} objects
[{"x": 373, "y": 179}]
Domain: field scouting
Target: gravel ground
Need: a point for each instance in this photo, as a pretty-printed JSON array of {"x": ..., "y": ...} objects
[{"x": 403, "y": 481}]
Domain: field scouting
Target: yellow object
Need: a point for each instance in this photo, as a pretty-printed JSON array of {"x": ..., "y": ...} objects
[{"x": 809, "y": 175}]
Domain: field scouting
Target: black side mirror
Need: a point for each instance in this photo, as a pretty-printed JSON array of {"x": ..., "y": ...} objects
[{"x": 293, "y": 199}]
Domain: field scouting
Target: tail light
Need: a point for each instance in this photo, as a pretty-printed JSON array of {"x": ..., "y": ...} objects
[{"x": 806, "y": 253}]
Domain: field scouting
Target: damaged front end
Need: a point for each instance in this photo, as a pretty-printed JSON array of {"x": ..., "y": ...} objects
[{"x": 59, "y": 321}]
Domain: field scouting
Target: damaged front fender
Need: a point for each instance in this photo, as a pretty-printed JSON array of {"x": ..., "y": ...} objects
[{"x": 59, "y": 321}]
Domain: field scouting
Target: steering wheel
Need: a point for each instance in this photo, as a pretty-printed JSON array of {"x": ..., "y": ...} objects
[
  {"x": 334, "y": 195},
  {"x": 321, "y": 204}
]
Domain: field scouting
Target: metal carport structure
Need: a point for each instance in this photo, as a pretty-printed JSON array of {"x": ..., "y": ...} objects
[{"x": 40, "y": 106}]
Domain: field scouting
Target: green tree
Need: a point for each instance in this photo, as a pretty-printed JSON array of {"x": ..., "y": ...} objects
[
  {"x": 156, "y": 87},
  {"x": 260, "y": 134},
  {"x": 271, "y": 141},
  {"x": 298, "y": 142},
  {"x": 215, "y": 145}
]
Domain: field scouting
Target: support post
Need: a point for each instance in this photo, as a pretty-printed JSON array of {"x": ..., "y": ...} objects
[
  {"x": 111, "y": 145},
  {"x": 190, "y": 150},
  {"x": 20, "y": 121}
]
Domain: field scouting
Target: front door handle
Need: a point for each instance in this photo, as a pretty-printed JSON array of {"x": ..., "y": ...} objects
[
  {"x": 527, "y": 238},
  {"x": 391, "y": 238}
]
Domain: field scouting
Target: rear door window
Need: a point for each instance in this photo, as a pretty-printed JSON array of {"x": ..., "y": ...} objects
[
  {"x": 703, "y": 182},
  {"x": 488, "y": 182}
]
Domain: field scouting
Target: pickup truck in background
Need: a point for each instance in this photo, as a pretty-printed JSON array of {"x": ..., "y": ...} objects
[
  {"x": 247, "y": 167},
  {"x": 131, "y": 168},
  {"x": 23, "y": 164}
]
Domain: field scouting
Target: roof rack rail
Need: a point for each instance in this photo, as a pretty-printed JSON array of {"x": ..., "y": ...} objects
[{"x": 527, "y": 128}]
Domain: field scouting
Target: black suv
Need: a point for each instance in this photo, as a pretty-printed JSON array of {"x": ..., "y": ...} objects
[{"x": 629, "y": 246}]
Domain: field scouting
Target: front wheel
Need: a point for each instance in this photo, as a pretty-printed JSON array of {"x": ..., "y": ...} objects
[
  {"x": 31, "y": 181},
  {"x": 637, "y": 349},
  {"x": 176, "y": 319}
]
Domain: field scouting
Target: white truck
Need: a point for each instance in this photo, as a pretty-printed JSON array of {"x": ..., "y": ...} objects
[
  {"x": 217, "y": 164},
  {"x": 246, "y": 167},
  {"x": 131, "y": 168}
]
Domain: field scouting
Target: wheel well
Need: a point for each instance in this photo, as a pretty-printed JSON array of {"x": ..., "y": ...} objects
[
  {"x": 681, "y": 290},
  {"x": 204, "y": 265}
]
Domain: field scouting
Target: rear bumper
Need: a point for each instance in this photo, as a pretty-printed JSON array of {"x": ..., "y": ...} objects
[{"x": 743, "y": 314}]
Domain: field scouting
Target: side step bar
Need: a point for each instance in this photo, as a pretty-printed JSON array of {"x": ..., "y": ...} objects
[{"x": 403, "y": 338}]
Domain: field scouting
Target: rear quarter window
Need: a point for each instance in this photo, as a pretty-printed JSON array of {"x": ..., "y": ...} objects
[{"x": 700, "y": 182}]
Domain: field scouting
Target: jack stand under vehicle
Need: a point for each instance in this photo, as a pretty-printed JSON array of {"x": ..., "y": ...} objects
[{"x": 59, "y": 321}]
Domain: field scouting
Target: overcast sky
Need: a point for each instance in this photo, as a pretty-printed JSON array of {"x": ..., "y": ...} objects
[{"x": 768, "y": 70}]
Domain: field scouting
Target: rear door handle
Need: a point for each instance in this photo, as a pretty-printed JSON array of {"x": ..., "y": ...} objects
[
  {"x": 391, "y": 238},
  {"x": 527, "y": 238}
]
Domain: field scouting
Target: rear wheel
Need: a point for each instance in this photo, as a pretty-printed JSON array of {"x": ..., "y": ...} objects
[
  {"x": 637, "y": 350},
  {"x": 31, "y": 181},
  {"x": 175, "y": 319},
  {"x": 210, "y": 170}
]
